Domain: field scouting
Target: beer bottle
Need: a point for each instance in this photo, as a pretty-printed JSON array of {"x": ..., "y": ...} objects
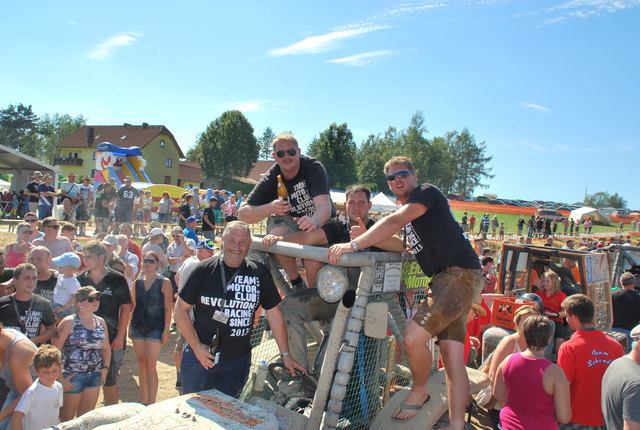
[{"x": 283, "y": 194}]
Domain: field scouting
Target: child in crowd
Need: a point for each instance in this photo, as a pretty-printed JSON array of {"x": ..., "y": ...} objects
[
  {"x": 67, "y": 285},
  {"x": 40, "y": 404},
  {"x": 552, "y": 299}
]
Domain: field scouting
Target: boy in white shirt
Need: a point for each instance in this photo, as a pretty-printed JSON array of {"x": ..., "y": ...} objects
[
  {"x": 63, "y": 301},
  {"x": 40, "y": 404}
]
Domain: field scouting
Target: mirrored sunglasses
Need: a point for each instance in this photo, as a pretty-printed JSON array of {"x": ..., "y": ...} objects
[
  {"x": 401, "y": 174},
  {"x": 290, "y": 151}
]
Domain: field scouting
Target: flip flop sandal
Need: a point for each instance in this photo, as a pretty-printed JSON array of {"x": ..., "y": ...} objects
[{"x": 406, "y": 407}]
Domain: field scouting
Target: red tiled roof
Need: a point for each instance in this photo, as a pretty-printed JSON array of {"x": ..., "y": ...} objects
[
  {"x": 191, "y": 172},
  {"x": 259, "y": 168},
  {"x": 136, "y": 135}
]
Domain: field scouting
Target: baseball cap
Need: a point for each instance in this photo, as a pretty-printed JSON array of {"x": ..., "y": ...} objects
[
  {"x": 112, "y": 181},
  {"x": 206, "y": 244},
  {"x": 190, "y": 219},
  {"x": 37, "y": 174},
  {"x": 110, "y": 240},
  {"x": 128, "y": 179},
  {"x": 67, "y": 259},
  {"x": 83, "y": 293},
  {"x": 156, "y": 231}
]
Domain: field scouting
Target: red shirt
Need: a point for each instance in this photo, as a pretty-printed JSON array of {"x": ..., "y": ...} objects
[
  {"x": 134, "y": 248},
  {"x": 584, "y": 359},
  {"x": 473, "y": 329},
  {"x": 553, "y": 302}
]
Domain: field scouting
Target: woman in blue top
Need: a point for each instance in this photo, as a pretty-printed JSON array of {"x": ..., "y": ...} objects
[{"x": 153, "y": 298}]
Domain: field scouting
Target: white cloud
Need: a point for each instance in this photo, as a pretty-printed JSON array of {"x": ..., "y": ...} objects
[
  {"x": 324, "y": 42},
  {"x": 72, "y": 23},
  {"x": 363, "y": 59},
  {"x": 535, "y": 107},
  {"x": 588, "y": 8},
  {"x": 255, "y": 105},
  {"x": 105, "y": 49},
  {"x": 555, "y": 148}
]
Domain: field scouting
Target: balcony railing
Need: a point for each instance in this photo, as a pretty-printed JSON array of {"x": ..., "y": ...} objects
[{"x": 64, "y": 161}]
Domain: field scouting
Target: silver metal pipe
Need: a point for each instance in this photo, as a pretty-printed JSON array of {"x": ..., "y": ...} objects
[{"x": 330, "y": 360}]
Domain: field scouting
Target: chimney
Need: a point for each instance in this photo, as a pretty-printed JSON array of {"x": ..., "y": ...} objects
[
  {"x": 90, "y": 136},
  {"x": 145, "y": 125}
]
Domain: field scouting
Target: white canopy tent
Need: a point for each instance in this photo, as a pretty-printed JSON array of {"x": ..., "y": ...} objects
[
  {"x": 4, "y": 185},
  {"x": 596, "y": 216},
  {"x": 382, "y": 203}
]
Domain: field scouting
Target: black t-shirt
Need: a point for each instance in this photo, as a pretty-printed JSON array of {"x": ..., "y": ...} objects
[
  {"x": 127, "y": 196},
  {"x": 32, "y": 187},
  {"x": 436, "y": 237},
  {"x": 6, "y": 275},
  {"x": 115, "y": 292},
  {"x": 626, "y": 308},
  {"x": 252, "y": 286},
  {"x": 338, "y": 232},
  {"x": 219, "y": 202},
  {"x": 185, "y": 211},
  {"x": 311, "y": 181},
  {"x": 464, "y": 220},
  {"x": 41, "y": 313},
  {"x": 45, "y": 288},
  {"x": 208, "y": 212},
  {"x": 100, "y": 210}
]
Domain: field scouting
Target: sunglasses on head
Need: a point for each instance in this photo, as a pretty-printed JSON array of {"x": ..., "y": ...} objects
[
  {"x": 149, "y": 261},
  {"x": 52, "y": 226},
  {"x": 290, "y": 151},
  {"x": 401, "y": 174}
]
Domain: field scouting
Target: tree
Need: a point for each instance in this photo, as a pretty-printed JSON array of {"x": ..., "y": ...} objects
[
  {"x": 470, "y": 161},
  {"x": 336, "y": 150},
  {"x": 265, "y": 144},
  {"x": 18, "y": 129},
  {"x": 53, "y": 129},
  {"x": 228, "y": 148},
  {"x": 371, "y": 157},
  {"x": 603, "y": 199}
]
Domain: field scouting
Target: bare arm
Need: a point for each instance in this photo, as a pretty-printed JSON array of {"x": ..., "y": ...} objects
[
  {"x": 504, "y": 348},
  {"x": 105, "y": 352},
  {"x": 19, "y": 363},
  {"x": 499, "y": 387},
  {"x": 123, "y": 322},
  {"x": 46, "y": 336},
  {"x": 631, "y": 425},
  {"x": 279, "y": 330},
  {"x": 253, "y": 214},
  {"x": 316, "y": 237},
  {"x": 167, "y": 294},
  {"x": 561, "y": 393}
]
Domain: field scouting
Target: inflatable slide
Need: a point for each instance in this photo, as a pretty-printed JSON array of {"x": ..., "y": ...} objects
[{"x": 116, "y": 162}]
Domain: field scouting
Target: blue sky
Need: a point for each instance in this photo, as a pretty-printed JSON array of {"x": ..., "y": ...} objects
[{"x": 550, "y": 86}]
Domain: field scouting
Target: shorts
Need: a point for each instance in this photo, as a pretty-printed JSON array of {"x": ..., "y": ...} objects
[
  {"x": 166, "y": 217},
  {"x": 218, "y": 214},
  {"x": 449, "y": 297},
  {"x": 285, "y": 221},
  {"x": 117, "y": 357},
  {"x": 154, "y": 335},
  {"x": 124, "y": 214},
  {"x": 83, "y": 381}
]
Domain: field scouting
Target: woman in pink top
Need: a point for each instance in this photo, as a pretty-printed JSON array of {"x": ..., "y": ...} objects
[
  {"x": 16, "y": 253},
  {"x": 535, "y": 391}
]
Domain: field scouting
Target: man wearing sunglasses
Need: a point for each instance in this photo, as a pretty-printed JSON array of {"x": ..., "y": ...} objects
[
  {"x": 308, "y": 206},
  {"x": 57, "y": 245},
  {"x": 444, "y": 254}
]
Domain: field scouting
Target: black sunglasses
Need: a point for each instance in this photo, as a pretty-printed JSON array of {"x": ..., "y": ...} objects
[
  {"x": 93, "y": 299},
  {"x": 52, "y": 226},
  {"x": 290, "y": 151},
  {"x": 401, "y": 174},
  {"x": 31, "y": 220},
  {"x": 26, "y": 232},
  {"x": 149, "y": 261}
]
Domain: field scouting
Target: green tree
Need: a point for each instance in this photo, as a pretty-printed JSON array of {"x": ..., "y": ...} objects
[
  {"x": 265, "y": 144},
  {"x": 603, "y": 199},
  {"x": 471, "y": 163},
  {"x": 371, "y": 156},
  {"x": 336, "y": 150},
  {"x": 228, "y": 148},
  {"x": 18, "y": 129},
  {"x": 194, "y": 154},
  {"x": 53, "y": 129}
]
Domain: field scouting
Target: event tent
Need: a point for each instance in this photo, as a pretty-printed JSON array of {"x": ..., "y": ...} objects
[
  {"x": 382, "y": 203},
  {"x": 22, "y": 166},
  {"x": 596, "y": 216}
]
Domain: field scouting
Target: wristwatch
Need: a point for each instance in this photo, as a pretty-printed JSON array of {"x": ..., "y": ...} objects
[
  {"x": 315, "y": 221},
  {"x": 354, "y": 245},
  {"x": 284, "y": 354}
]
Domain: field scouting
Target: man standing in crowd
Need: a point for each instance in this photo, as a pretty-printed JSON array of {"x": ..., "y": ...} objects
[
  {"x": 69, "y": 192},
  {"x": 444, "y": 254},
  {"x": 177, "y": 252},
  {"x": 47, "y": 198},
  {"x": 621, "y": 389},
  {"x": 85, "y": 205},
  {"x": 626, "y": 304},
  {"x": 57, "y": 245},
  {"x": 115, "y": 308},
  {"x": 584, "y": 359},
  {"x": 464, "y": 223},
  {"x": 40, "y": 257},
  {"x": 225, "y": 292},
  {"x": 25, "y": 311},
  {"x": 105, "y": 196},
  {"x": 307, "y": 207},
  {"x": 305, "y": 305},
  {"x": 184, "y": 211},
  {"x": 209, "y": 220},
  {"x": 127, "y": 195},
  {"x": 32, "y": 191},
  {"x": 126, "y": 229}
]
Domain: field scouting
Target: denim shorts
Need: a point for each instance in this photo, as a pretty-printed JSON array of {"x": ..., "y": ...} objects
[
  {"x": 83, "y": 381},
  {"x": 450, "y": 295},
  {"x": 117, "y": 357},
  {"x": 152, "y": 335}
]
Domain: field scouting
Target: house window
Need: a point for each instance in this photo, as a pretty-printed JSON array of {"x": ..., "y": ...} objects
[
  {"x": 73, "y": 155},
  {"x": 94, "y": 155},
  {"x": 167, "y": 179},
  {"x": 161, "y": 143},
  {"x": 168, "y": 162}
]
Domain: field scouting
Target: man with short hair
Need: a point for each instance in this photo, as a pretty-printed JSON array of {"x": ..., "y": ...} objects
[
  {"x": 25, "y": 311},
  {"x": 115, "y": 308},
  {"x": 626, "y": 305},
  {"x": 177, "y": 252},
  {"x": 127, "y": 195},
  {"x": 464, "y": 222},
  {"x": 444, "y": 253},
  {"x": 584, "y": 359},
  {"x": 69, "y": 192},
  {"x": 57, "y": 245},
  {"x": 190, "y": 227},
  {"x": 305, "y": 305},
  {"x": 569, "y": 244},
  {"x": 46, "y": 194},
  {"x": 307, "y": 207},
  {"x": 32, "y": 191},
  {"x": 224, "y": 293},
  {"x": 126, "y": 229},
  {"x": 209, "y": 219},
  {"x": 40, "y": 257},
  {"x": 85, "y": 205},
  {"x": 621, "y": 389}
]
